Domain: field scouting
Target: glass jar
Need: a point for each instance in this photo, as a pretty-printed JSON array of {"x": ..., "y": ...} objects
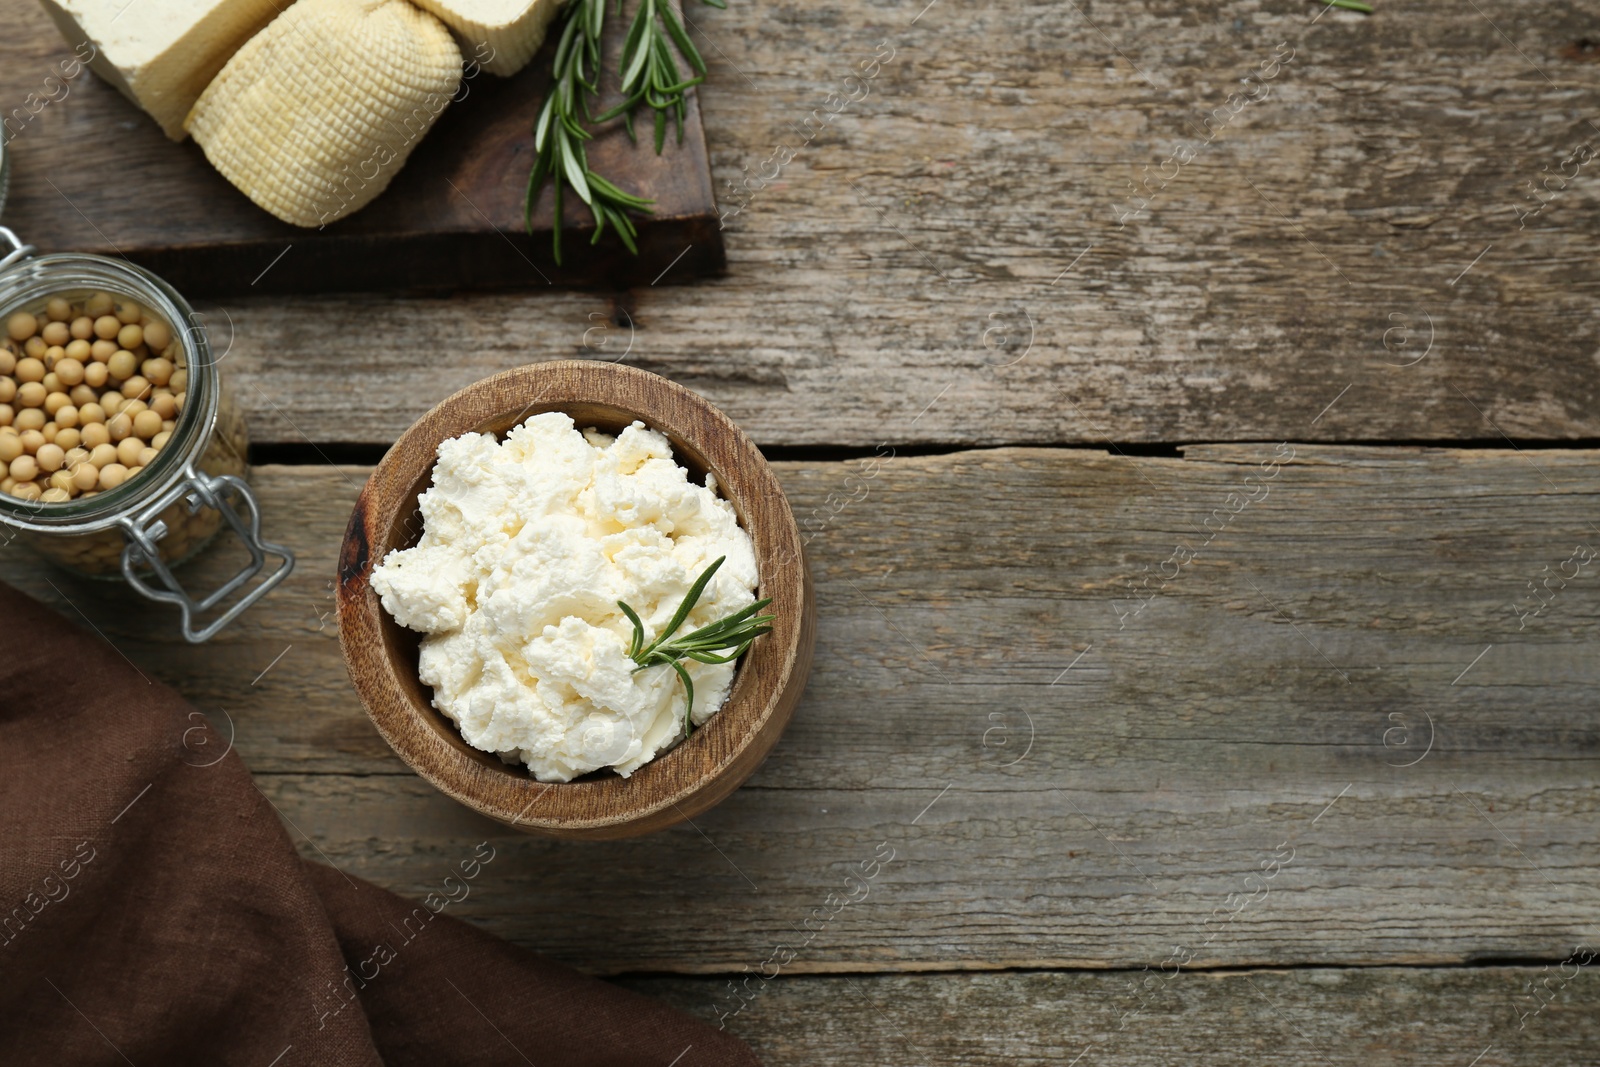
[{"x": 167, "y": 511}]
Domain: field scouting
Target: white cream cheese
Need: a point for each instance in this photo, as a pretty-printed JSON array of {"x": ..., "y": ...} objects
[{"x": 527, "y": 546}]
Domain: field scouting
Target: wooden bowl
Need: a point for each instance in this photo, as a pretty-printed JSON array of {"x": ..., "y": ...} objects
[{"x": 679, "y": 784}]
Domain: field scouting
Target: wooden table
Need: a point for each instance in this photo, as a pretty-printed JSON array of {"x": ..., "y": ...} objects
[{"x": 1183, "y": 643}]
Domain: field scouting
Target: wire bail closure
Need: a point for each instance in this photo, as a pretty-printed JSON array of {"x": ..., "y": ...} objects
[
  {"x": 19, "y": 251},
  {"x": 198, "y": 490}
]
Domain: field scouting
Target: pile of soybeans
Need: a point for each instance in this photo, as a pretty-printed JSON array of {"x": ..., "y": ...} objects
[{"x": 90, "y": 390}]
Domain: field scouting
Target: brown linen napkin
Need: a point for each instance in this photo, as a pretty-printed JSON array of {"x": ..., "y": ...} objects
[{"x": 154, "y": 912}]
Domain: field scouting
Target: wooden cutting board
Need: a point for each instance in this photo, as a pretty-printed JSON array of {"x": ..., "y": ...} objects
[{"x": 91, "y": 172}]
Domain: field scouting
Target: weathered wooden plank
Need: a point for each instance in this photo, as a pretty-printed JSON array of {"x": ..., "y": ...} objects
[
  {"x": 900, "y": 254},
  {"x": 1105, "y": 780},
  {"x": 1401, "y": 1016}
]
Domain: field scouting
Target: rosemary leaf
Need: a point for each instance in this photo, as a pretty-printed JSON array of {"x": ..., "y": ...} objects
[{"x": 722, "y": 641}]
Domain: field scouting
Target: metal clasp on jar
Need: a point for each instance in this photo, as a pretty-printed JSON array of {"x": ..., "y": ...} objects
[
  {"x": 19, "y": 251},
  {"x": 201, "y": 490}
]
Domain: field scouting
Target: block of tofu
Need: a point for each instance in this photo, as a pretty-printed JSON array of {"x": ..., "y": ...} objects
[
  {"x": 314, "y": 116},
  {"x": 501, "y": 36},
  {"x": 162, "y": 53}
]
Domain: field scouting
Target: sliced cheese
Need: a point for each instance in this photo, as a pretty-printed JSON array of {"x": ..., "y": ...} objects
[
  {"x": 501, "y": 36},
  {"x": 161, "y": 53},
  {"x": 317, "y": 113}
]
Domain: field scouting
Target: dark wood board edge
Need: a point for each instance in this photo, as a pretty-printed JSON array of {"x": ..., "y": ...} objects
[{"x": 670, "y": 250}]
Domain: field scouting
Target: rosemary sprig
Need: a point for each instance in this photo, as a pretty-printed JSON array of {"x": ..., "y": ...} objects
[
  {"x": 649, "y": 77},
  {"x": 649, "y": 74},
  {"x": 730, "y": 635},
  {"x": 559, "y": 133}
]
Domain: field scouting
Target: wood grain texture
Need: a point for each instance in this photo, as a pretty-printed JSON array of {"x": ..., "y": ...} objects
[
  {"x": 1406, "y": 1017},
  {"x": 1377, "y": 670},
  {"x": 996, "y": 147},
  {"x": 719, "y": 756},
  {"x": 452, "y": 219},
  {"x": 1270, "y": 695}
]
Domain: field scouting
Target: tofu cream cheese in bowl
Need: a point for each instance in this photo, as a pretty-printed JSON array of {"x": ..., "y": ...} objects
[
  {"x": 573, "y": 597},
  {"x": 530, "y": 546}
]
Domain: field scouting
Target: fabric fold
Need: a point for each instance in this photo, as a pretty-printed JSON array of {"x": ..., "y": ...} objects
[{"x": 153, "y": 910}]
